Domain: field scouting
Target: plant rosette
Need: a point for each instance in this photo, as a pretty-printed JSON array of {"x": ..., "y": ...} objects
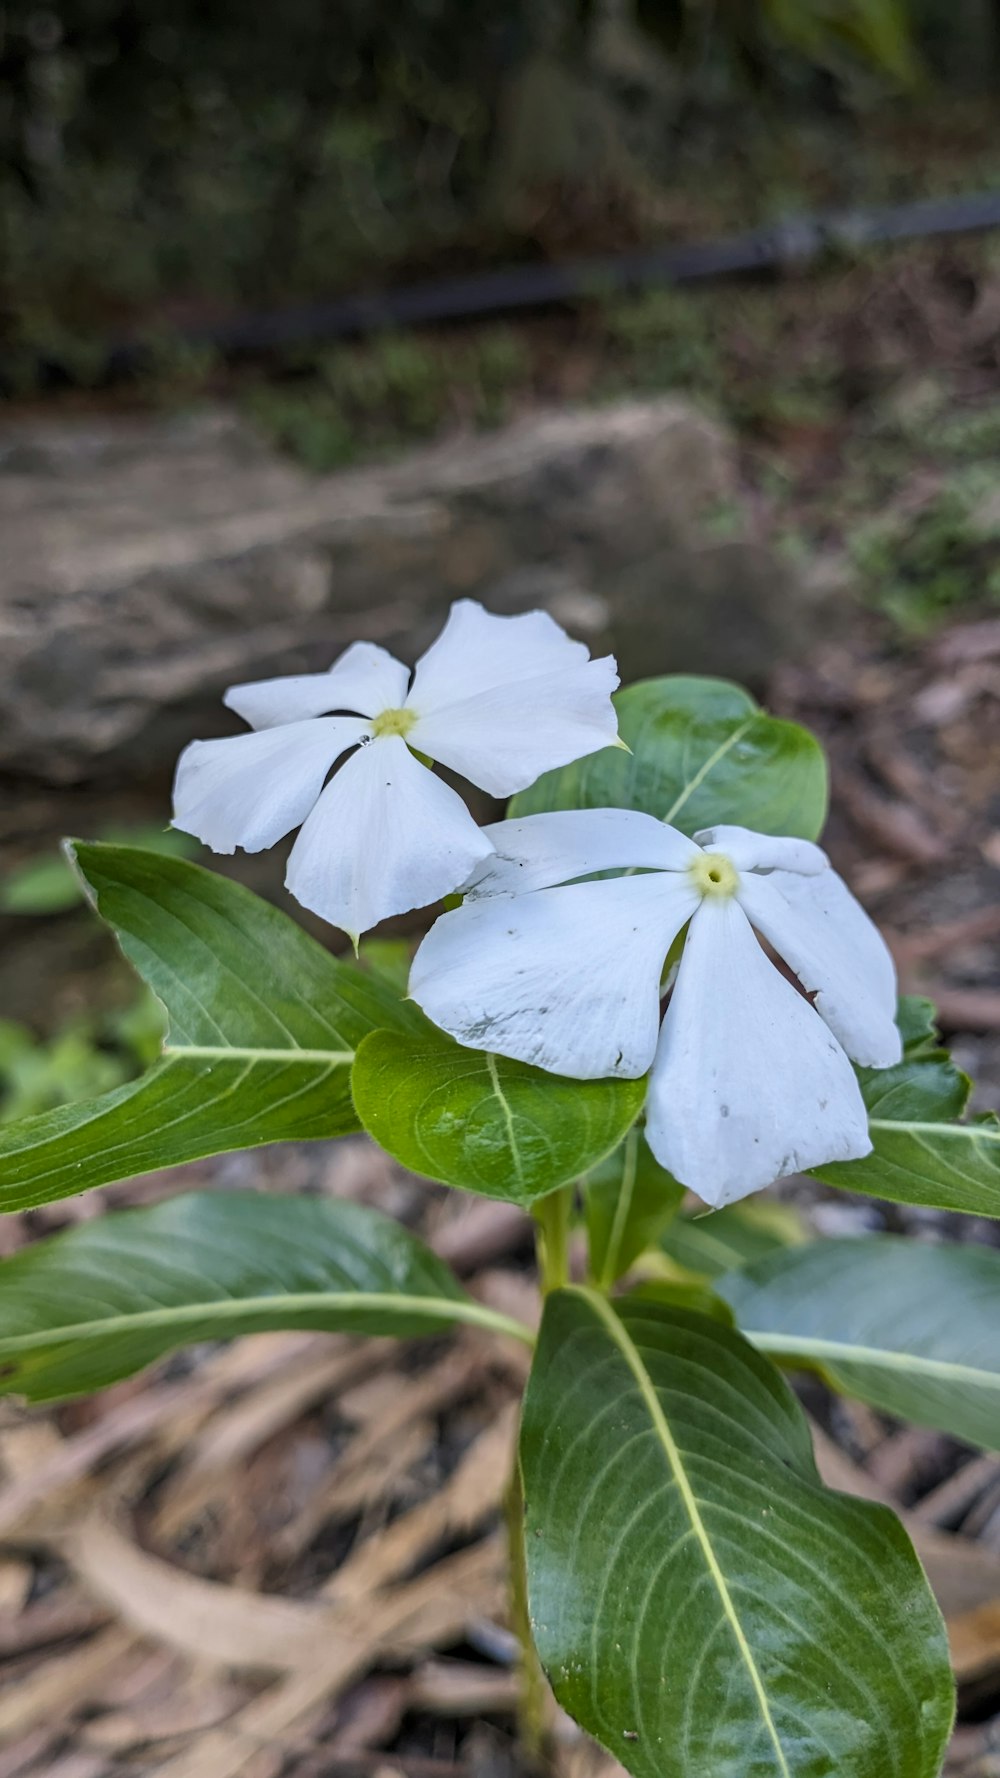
[{"x": 652, "y": 980}]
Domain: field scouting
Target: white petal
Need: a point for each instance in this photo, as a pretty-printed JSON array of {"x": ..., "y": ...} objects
[
  {"x": 385, "y": 836},
  {"x": 568, "y": 979},
  {"x": 506, "y": 736},
  {"x": 477, "y": 650},
  {"x": 250, "y": 790},
  {"x": 838, "y": 954},
  {"x": 540, "y": 850},
  {"x": 364, "y": 678},
  {"x": 762, "y": 851},
  {"x": 748, "y": 1082}
]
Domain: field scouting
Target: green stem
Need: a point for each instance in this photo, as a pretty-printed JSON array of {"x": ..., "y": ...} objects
[
  {"x": 630, "y": 1163},
  {"x": 553, "y": 1216},
  {"x": 533, "y": 1692}
]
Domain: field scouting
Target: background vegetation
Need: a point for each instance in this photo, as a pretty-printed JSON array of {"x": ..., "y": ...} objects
[{"x": 163, "y": 161}]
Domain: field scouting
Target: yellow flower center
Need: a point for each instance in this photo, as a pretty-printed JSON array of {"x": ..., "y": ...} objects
[
  {"x": 714, "y": 874},
  {"x": 394, "y": 722}
]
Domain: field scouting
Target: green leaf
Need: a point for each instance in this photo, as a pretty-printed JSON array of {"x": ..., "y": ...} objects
[
  {"x": 702, "y": 1605},
  {"x": 718, "y": 1241},
  {"x": 44, "y": 1075},
  {"x": 629, "y": 1200},
  {"x": 693, "y": 1295},
  {"x": 48, "y": 884},
  {"x": 917, "y": 1021},
  {"x": 702, "y": 752},
  {"x": 263, "y": 1028},
  {"x": 913, "y": 1329},
  {"x": 926, "y": 1082},
  {"x": 388, "y": 959},
  {"x": 921, "y": 1154},
  {"x": 477, "y": 1120},
  {"x": 99, "y": 1302}
]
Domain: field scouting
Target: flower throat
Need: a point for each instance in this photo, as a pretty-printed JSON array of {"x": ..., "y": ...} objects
[
  {"x": 714, "y": 874},
  {"x": 394, "y": 722}
]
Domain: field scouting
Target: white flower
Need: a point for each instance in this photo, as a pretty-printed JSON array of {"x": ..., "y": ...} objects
[
  {"x": 498, "y": 699},
  {"x": 749, "y": 1080}
]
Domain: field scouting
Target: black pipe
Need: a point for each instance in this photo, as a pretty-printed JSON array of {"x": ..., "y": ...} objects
[{"x": 800, "y": 241}]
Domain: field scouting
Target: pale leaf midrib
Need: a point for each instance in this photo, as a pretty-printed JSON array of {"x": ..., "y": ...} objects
[
  {"x": 283, "y": 1302},
  {"x": 231, "y": 1052},
  {"x": 913, "y": 1127},
  {"x": 629, "y": 1352},
  {"x": 707, "y": 766},
  {"x": 816, "y": 1346},
  {"x": 91, "y": 1111},
  {"x": 508, "y": 1115}
]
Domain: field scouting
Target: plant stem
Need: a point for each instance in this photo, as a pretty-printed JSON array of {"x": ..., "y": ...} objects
[
  {"x": 630, "y": 1162},
  {"x": 533, "y": 1695},
  {"x": 552, "y": 1215}
]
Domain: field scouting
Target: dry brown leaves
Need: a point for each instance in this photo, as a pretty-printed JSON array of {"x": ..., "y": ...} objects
[
  {"x": 277, "y": 1553},
  {"x": 288, "y": 1562}
]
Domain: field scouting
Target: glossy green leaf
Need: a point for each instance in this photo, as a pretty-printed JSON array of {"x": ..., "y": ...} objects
[
  {"x": 911, "y": 1328},
  {"x": 628, "y": 1200},
  {"x": 263, "y": 1028},
  {"x": 692, "y": 1294},
  {"x": 480, "y": 1121},
  {"x": 917, "y": 1021},
  {"x": 703, "y": 1606},
  {"x": 921, "y": 1153},
  {"x": 711, "y": 1243},
  {"x": 99, "y": 1302},
  {"x": 702, "y": 752}
]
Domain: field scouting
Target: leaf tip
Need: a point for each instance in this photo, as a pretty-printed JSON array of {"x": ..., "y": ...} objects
[{"x": 70, "y": 848}]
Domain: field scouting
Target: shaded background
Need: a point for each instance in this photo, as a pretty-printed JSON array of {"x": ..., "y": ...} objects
[
  {"x": 209, "y": 469},
  {"x": 167, "y": 162}
]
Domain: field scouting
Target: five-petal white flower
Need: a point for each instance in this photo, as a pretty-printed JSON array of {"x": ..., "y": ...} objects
[
  {"x": 749, "y": 1080},
  {"x": 498, "y": 699}
]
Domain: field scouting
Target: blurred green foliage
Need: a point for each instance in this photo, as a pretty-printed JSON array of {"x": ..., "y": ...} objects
[
  {"x": 94, "y": 1050},
  {"x": 48, "y": 884},
  {"x": 88, "y": 1055},
  {"x": 832, "y": 34},
  {"x": 918, "y": 567},
  {"x": 164, "y": 160},
  {"x": 363, "y": 401}
]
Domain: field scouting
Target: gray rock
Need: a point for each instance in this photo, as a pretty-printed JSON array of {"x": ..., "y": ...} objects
[{"x": 150, "y": 562}]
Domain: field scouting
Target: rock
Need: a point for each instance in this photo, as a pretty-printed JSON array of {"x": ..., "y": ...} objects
[{"x": 150, "y": 562}]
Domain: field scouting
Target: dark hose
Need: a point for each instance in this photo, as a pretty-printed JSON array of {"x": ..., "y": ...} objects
[{"x": 512, "y": 290}]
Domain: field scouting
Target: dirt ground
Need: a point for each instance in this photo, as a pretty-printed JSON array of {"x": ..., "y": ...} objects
[{"x": 283, "y": 1558}]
